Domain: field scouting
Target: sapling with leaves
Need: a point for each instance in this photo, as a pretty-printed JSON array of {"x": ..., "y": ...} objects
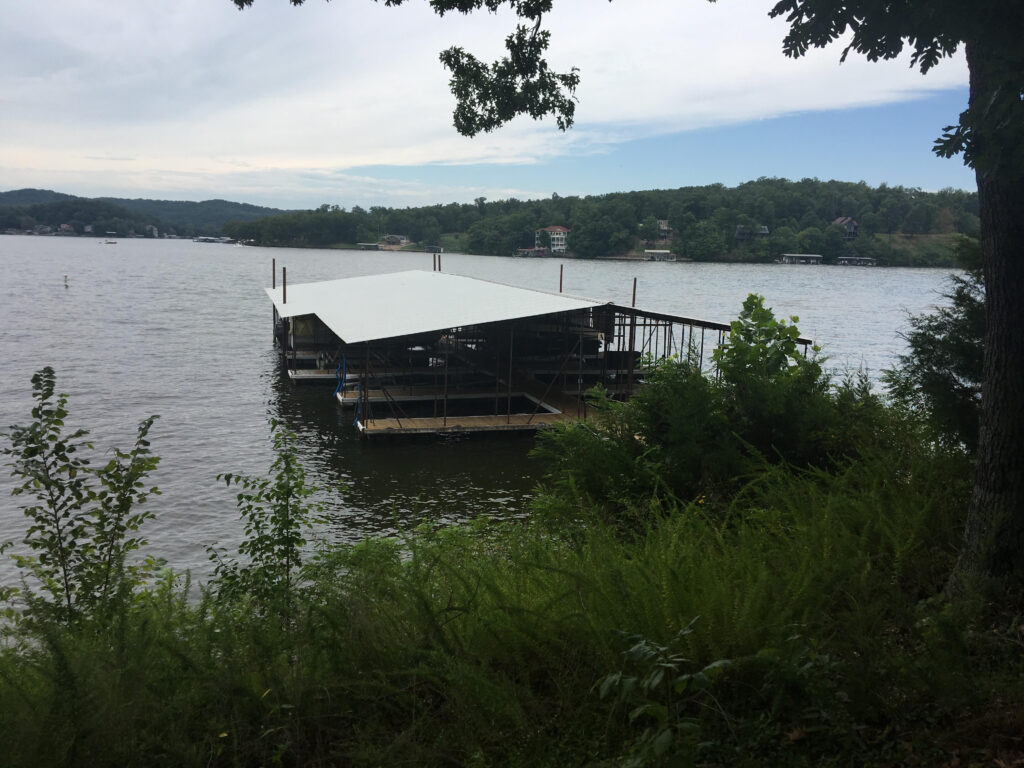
[
  {"x": 666, "y": 695},
  {"x": 277, "y": 511},
  {"x": 759, "y": 345},
  {"x": 83, "y": 519}
]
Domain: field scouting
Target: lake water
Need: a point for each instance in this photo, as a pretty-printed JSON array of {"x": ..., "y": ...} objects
[{"x": 183, "y": 330}]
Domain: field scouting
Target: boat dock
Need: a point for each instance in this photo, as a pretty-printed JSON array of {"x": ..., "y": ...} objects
[{"x": 434, "y": 353}]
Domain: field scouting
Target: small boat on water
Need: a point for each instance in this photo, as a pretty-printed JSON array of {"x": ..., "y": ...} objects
[{"x": 109, "y": 242}]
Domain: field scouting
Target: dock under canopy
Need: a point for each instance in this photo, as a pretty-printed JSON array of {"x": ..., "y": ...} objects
[{"x": 431, "y": 352}]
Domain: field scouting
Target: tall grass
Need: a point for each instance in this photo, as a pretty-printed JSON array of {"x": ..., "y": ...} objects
[{"x": 482, "y": 644}]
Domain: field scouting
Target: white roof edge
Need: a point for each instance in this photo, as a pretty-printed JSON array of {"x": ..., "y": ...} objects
[{"x": 383, "y": 306}]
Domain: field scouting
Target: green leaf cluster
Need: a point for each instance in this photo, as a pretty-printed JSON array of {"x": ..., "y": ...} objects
[
  {"x": 83, "y": 518},
  {"x": 940, "y": 376},
  {"x": 690, "y": 433},
  {"x": 662, "y": 690},
  {"x": 276, "y": 511}
]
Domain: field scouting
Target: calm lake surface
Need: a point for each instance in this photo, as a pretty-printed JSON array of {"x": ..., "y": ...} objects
[{"x": 183, "y": 330}]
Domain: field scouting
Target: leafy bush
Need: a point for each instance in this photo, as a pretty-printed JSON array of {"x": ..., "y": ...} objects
[
  {"x": 664, "y": 691},
  {"x": 940, "y": 376},
  {"x": 276, "y": 512},
  {"x": 689, "y": 434},
  {"x": 82, "y": 518}
]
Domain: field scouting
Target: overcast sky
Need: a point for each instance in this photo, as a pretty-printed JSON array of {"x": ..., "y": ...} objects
[{"x": 346, "y": 103}]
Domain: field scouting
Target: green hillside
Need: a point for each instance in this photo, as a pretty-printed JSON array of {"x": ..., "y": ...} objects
[
  {"x": 21, "y": 197},
  {"x": 753, "y": 222},
  {"x": 78, "y": 216},
  {"x": 32, "y": 209},
  {"x": 205, "y": 218}
]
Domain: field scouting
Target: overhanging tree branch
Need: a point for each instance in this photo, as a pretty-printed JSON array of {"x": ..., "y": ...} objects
[{"x": 521, "y": 83}]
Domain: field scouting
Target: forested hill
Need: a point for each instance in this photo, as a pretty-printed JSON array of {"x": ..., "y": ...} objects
[
  {"x": 755, "y": 221},
  {"x": 77, "y": 216},
  {"x": 20, "y": 197},
  {"x": 205, "y": 218},
  {"x": 36, "y": 209}
]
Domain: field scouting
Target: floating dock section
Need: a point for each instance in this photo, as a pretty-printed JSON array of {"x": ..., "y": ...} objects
[{"x": 429, "y": 352}]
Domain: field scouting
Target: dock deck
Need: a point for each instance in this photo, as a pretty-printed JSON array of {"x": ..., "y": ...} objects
[
  {"x": 516, "y": 422},
  {"x": 311, "y": 375},
  {"x": 350, "y": 397},
  {"x": 550, "y": 407}
]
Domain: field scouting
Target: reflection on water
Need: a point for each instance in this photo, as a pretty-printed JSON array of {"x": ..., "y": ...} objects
[{"x": 184, "y": 330}]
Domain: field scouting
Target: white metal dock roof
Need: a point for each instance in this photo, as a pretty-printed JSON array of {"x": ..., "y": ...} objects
[{"x": 376, "y": 307}]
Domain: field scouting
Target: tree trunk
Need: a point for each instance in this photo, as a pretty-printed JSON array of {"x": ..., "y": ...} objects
[{"x": 992, "y": 557}]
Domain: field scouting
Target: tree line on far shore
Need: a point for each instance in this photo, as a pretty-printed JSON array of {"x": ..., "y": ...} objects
[
  {"x": 754, "y": 221},
  {"x": 43, "y": 211}
]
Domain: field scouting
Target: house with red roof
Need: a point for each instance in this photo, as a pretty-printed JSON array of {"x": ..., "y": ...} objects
[{"x": 558, "y": 238}]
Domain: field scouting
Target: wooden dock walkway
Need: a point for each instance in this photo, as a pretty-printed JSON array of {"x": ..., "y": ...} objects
[
  {"x": 567, "y": 409},
  {"x": 516, "y": 422},
  {"x": 415, "y": 393},
  {"x": 353, "y": 374}
]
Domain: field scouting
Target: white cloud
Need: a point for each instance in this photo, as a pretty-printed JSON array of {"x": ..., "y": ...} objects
[{"x": 151, "y": 98}]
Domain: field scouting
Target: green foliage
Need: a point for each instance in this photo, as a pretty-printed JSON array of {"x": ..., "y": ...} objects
[
  {"x": 188, "y": 218},
  {"x": 931, "y": 250},
  {"x": 688, "y": 434},
  {"x": 492, "y": 644},
  {"x": 664, "y": 692},
  {"x": 760, "y": 346},
  {"x": 103, "y": 215},
  {"x": 543, "y": 238},
  {"x": 83, "y": 519},
  {"x": 276, "y": 512},
  {"x": 25, "y": 208},
  {"x": 521, "y": 83},
  {"x": 512, "y": 644},
  {"x": 649, "y": 229},
  {"x": 23, "y": 197},
  {"x": 702, "y": 242},
  {"x": 779, "y": 401},
  {"x": 811, "y": 240},
  {"x": 941, "y": 374}
]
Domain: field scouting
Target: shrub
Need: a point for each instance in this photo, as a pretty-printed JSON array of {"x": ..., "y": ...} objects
[
  {"x": 83, "y": 518},
  {"x": 941, "y": 374},
  {"x": 690, "y": 434},
  {"x": 276, "y": 512}
]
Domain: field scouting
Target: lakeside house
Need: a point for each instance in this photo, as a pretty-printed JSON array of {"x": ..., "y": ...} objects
[
  {"x": 744, "y": 234},
  {"x": 851, "y": 229},
  {"x": 558, "y": 239}
]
